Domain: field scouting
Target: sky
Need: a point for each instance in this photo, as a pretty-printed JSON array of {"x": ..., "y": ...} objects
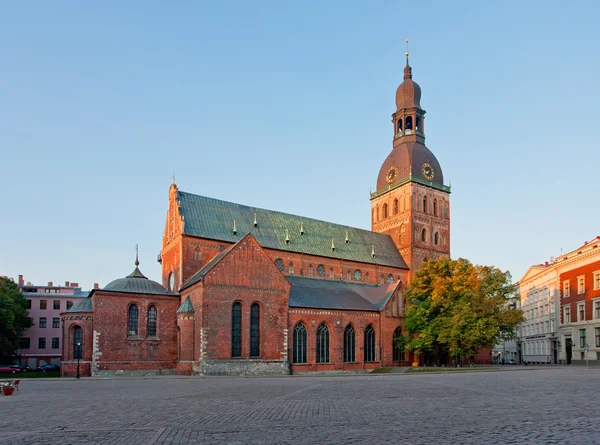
[{"x": 286, "y": 106}]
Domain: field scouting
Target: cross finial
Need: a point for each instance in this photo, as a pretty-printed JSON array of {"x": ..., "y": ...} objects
[
  {"x": 137, "y": 261},
  {"x": 407, "y": 53}
]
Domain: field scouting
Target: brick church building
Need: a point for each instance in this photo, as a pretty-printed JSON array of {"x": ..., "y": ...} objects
[{"x": 249, "y": 291}]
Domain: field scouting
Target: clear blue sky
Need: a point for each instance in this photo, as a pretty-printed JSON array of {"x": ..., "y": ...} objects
[{"x": 286, "y": 105}]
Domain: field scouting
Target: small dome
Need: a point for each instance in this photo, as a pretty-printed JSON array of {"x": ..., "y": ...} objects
[
  {"x": 136, "y": 283},
  {"x": 408, "y": 94}
]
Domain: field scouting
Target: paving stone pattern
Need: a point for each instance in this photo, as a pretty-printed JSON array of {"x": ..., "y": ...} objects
[{"x": 532, "y": 406}]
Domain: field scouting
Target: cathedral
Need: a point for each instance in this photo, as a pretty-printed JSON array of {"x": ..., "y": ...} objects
[{"x": 249, "y": 291}]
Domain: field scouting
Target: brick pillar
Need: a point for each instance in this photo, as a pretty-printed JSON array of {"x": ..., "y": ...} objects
[{"x": 185, "y": 342}]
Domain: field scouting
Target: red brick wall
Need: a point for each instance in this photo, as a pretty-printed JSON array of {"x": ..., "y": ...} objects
[
  {"x": 588, "y": 272},
  {"x": 119, "y": 351},
  {"x": 69, "y": 363}
]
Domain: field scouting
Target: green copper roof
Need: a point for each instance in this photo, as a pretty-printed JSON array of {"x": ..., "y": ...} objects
[
  {"x": 83, "y": 305},
  {"x": 136, "y": 283},
  {"x": 186, "y": 306},
  {"x": 214, "y": 219}
]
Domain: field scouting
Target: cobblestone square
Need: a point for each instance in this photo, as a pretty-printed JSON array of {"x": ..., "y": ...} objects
[{"x": 520, "y": 405}]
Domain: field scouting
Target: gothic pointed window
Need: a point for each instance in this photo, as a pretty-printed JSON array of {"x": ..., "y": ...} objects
[
  {"x": 77, "y": 342},
  {"x": 369, "y": 344},
  {"x": 299, "y": 344},
  {"x": 322, "y": 344},
  {"x": 349, "y": 344},
  {"x": 236, "y": 330},
  {"x": 152, "y": 315},
  {"x": 381, "y": 279},
  {"x": 197, "y": 254},
  {"x": 436, "y": 238},
  {"x": 398, "y": 352},
  {"x": 254, "y": 330},
  {"x": 443, "y": 239},
  {"x": 425, "y": 204},
  {"x": 435, "y": 208},
  {"x": 310, "y": 270},
  {"x": 395, "y": 206},
  {"x": 331, "y": 273},
  {"x": 133, "y": 320},
  {"x": 291, "y": 268},
  {"x": 385, "y": 211},
  {"x": 424, "y": 235}
]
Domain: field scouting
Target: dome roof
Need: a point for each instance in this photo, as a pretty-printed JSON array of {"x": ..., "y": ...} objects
[
  {"x": 136, "y": 283},
  {"x": 408, "y": 94},
  {"x": 410, "y": 158}
]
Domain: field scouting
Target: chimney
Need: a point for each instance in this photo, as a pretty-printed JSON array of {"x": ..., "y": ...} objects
[
  {"x": 66, "y": 283},
  {"x": 96, "y": 286},
  {"x": 50, "y": 283},
  {"x": 21, "y": 281},
  {"x": 74, "y": 284}
]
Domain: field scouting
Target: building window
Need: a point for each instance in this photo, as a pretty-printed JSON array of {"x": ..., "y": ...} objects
[
  {"x": 55, "y": 322},
  {"x": 254, "y": 330},
  {"x": 28, "y": 304},
  {"x": 390, "y": 278},
  {"x": 42, "y": 343},
  {"x": 310, "y": 270},
  {"x": 43, "y": 304},
  {"x": 197, "y": 256},
  {"x": 133, "y": 320},
  {"x": 425, "y": 204},
  {"x": 279, "y": 263},
  {"x": 69, "y": 305},
  {"x": 395, "y": 206},
  {"x": 381, "y": 279},
  {"x": 299, "y": 347},
  {"x": 25, "y": 343},
  {"x": 581, "y": 311},
  {"x": 322, "y": 344},
  {"x": 597, "y": 332},
  {"x": 580, "y": 285},
  {"x": 321, "y": 270},
  {"x": 357, "y": 275},
  {"x": 582, "y": 338},
  {"x": 435, "y": 208},
  {"x": 369, "y": 344},
  {"x": 236, "y": 330},
  {"x": 443, "y": 239},
  {"x": 394, "y": 308},
  {"x": 331, "y": 273},
  {"x": 567, "y": 315},
  {"x": 42, "y": 323},
  {"x": 436, "y": 238},
  {"x": 152, "y": 315},
  {"x": 291, "y": 268},
  {"x": 349, "y": 344},
  {"x": 348, "y": 275},
  {"x": 385, "y": 211},
  {"x": 398, "y": 352},
  {"x": 566, "y": 289},
  {"x": 55, "y": 343},
  {"x": 56, "y": 305},
  {"x": 597, "y": 309},
  {"x": 424, "y": 235},
  {"x": 77, "y": 342}
]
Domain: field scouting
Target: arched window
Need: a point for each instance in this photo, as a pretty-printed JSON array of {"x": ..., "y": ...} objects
[
  {"x": 133, "y": 320},
  {"x": 398, "y": 352},
  {"x": 291, "y": 268},
  {"x": 310, "y": 270},
  {"x": 349, "y": 344},
  {"x": 331, "y": 273},
  {"x": 390, "y": 278},
  {"x": 152, "y": 321},
  {"x": 394, "y": 308},
  {"x": 435, "y": 208},
  {"x": 369, "y": 344},
  {"x": 77, "y": 342},
  {"x": 367, "y": 277},
  {"x": 322, "y": 344},
  {"x": 425, "y": 204},
  {"x": 399, "y": 130},
  {"x": 254, "y": 330},
  {"x": 299, "y": 346},
  {"x": 408, "y": 123},
  {"x": 381, "y": 279},
  {"x": 418, "y": 123},
  {"x": 395, "y": 206},
  {"x": 236, "y": 330},
  {"x": 197, "y": 256},
  {"x": 348, "y": 275},
  {"x": 443, "y": 239},
  {"x": 436, "y": 238},
  {"x": 385, "y": 211},
  {"x": 279, "y": 263},
  {"x": 424, "y": 235},
  {"x": 445, "y": 210}
]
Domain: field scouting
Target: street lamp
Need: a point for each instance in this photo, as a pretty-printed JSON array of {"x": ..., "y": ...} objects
[{"x": 78, "y": 356}]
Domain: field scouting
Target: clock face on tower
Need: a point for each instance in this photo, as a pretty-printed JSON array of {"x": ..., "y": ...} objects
[
  {"x": 392, "y": 174},
  {"x": 427, "y": 171}
]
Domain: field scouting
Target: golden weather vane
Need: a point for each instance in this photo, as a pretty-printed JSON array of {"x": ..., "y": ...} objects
[{"x": 407, "y": 53}]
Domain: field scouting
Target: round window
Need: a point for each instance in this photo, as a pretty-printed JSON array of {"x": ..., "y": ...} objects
[
  {"x": 279, "y": 264},
  {"x": 357, "y": 275},
  {"x": 390, "y": 278},
  {"x": 321, "y": 270}
]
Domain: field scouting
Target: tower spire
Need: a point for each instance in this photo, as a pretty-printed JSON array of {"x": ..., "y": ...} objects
[
  {"x": 407, "y": 68},
  {"x": 137, "y": 261}
]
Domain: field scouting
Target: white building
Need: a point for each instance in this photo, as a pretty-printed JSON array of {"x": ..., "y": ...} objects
[{"x": 506, "y": 351}]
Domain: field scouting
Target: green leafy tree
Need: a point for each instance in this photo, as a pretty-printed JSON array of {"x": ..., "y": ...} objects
[
  {"x": 457, "y": 308},
  {"x": 13, "y": 318}
]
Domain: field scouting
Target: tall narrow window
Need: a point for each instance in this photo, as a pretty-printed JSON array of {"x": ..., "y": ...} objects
[
  {"x": 443, "y": 239},
  {"x": 424, "y": 235},
  {"x": 331, "y": 273},
  {"x": 395, "y": 206},
  {"x": 369, "y": 344},
  {"x": 133, "y": 320},
  {"x": 152, "y": 321},
  {"x": 398, "y": 352},
  {"x": 385, "y": 211},
  {"x": 310, "y": 270},
  {"x": 425, "y": 209},
  {"x": 254, "y": 330},
  {"x": 291, "y": 268},
  {"x": 299, "y": 346},
  {"x": 349, "y": 344},
  {"x": 77, "y": 342},
  {"x": 322, "y": 344},
  {"x": 436, "y": 238},
  {"x": 236, "y": 330},
  {"x": 435, "y": 209}
]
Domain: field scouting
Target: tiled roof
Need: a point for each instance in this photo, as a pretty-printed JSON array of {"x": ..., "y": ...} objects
[
  {"x": 333, "y": 294},
  {"x": 186, "y": 306},
  {"x": 136, "y": 283},
  {"x": 83, "y": 305},
  {"x": 213, "y": 219}
]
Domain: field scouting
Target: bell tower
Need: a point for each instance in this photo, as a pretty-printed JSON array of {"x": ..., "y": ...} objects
[{"x": 411, "y": 203}]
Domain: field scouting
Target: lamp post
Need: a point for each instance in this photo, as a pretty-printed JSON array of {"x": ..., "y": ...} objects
[{"x": 78, "y": 356}]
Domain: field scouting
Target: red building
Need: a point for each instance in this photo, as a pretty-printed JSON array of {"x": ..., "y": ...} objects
[{"x": 252, "y": 291}]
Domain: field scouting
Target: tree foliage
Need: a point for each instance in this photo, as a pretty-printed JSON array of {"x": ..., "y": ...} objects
[
  {"x": 13, "y": 318},
  {"x": 456, "y": 307}
]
